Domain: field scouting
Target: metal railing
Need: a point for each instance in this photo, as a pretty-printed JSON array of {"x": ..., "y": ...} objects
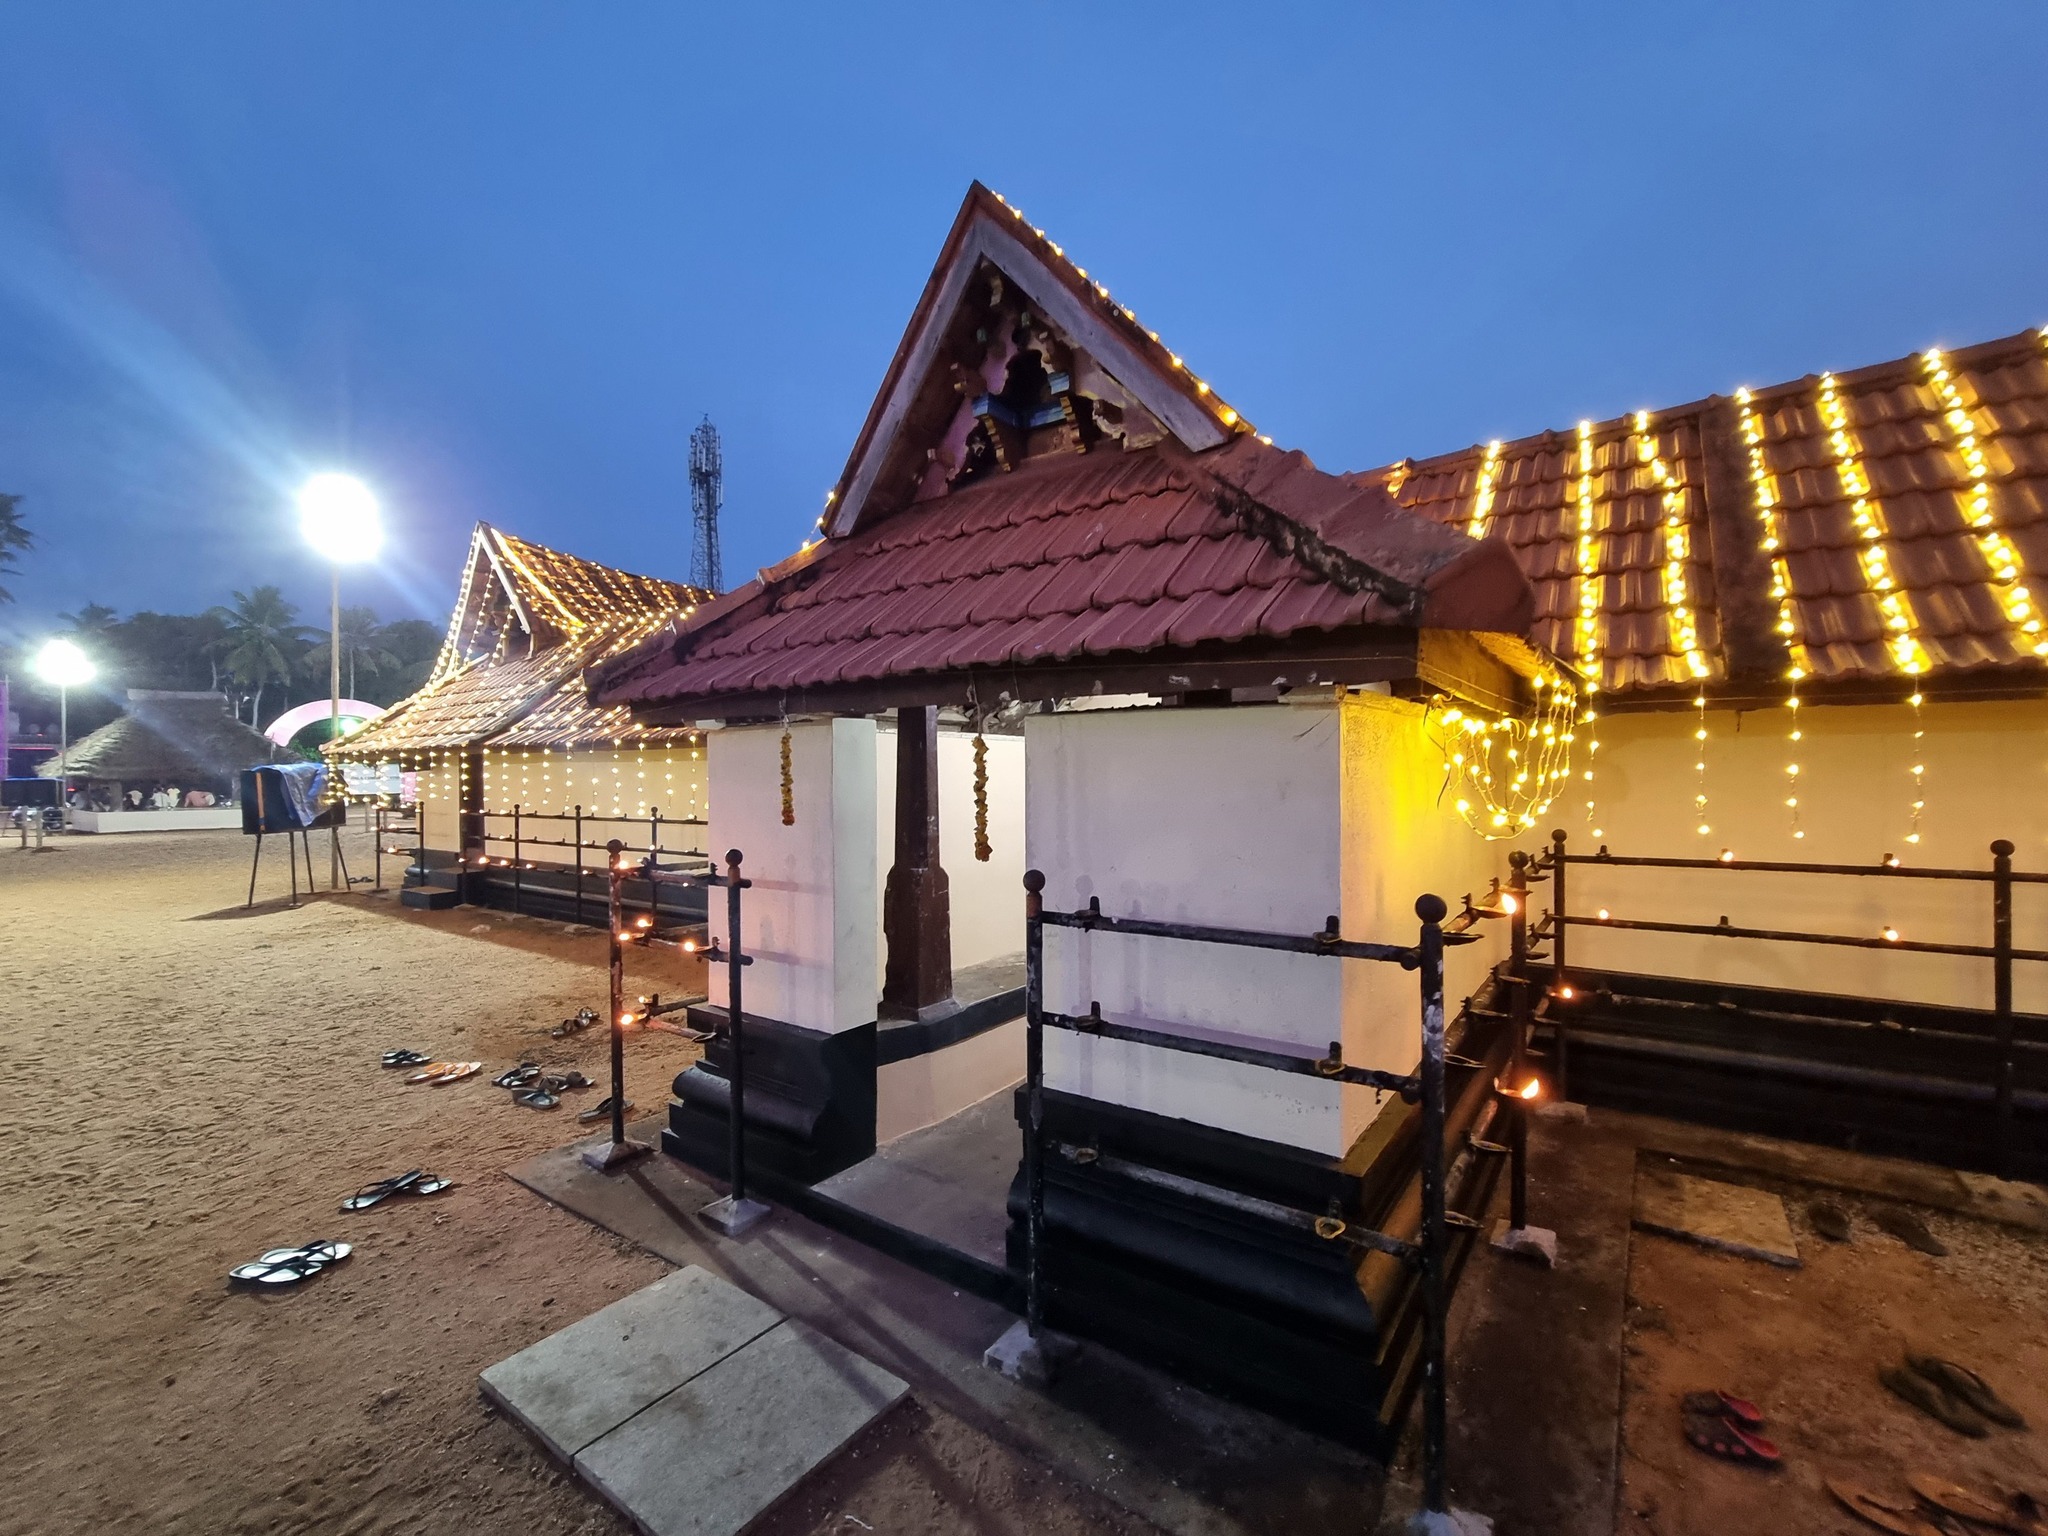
[
  {"x": 1428, "y": 1255},
  {"x": 576, "y": 819},
  {"x": 1554, "y": 862}
]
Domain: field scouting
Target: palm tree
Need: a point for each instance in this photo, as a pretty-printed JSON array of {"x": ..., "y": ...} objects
[
  {"x": 95, "y": 621},
  {"x": 262, "y": 643},
  {"x": 14, "y": 537},
  {"x": 360, "y": 643}
]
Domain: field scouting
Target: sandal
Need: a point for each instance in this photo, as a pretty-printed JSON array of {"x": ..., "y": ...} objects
[
  {"x": 518, "y": 1077},
  {"x": 1830, "y": 1221},
  {"x": 1934, "y": 1401},
  {"x": 1721, "y": 1436},
  {"x": 429, "y": 1072},
  {"x": 404, "y": 1059},
  {"x": 585, "y": 1017},
  {"x": 415, "y": 1182},
  {"x": 1910, "y": 1230},
  {"x": 1955, "y": 1499},
  {"x": 536, "y": 1098},
  {"x": 1719, "y": 1404},
  {"x": 1865, "y": 1505},
  {"x": 454, "y": 1072},
  {"x": 601, "y": 1110},
  {"x": 1969, "y": 1386},
  {"x": 288, "y": 1266}
]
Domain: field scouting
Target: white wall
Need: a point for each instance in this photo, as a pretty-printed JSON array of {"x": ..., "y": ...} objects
[
  {"x": 1398, "y": 844},
  {"x": 1987, "y": 777},
  {"x": 1223, "y": 816},
  {"x": 987, "y": 900},
  {"x": 810, "y": 917}
]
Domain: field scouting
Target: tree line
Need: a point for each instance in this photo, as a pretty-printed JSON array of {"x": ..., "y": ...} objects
[{"x": 252, "y": 649}]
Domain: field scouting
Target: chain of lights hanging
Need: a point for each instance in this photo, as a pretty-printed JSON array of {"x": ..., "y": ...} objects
[
  {"x": 1677, "y": 595},
  {"x": 788, "y": 784},
  {"x": 1766, "y": 486},
  {"x": 1483, "y": 494},
  {"x": 1503, "y": 772},
  {"x": 983, "y": 850},
  {"x": 2000, "y": 558},
  {"x": 1587, "y": 629},
  {"x": 1868, "y": 515}
]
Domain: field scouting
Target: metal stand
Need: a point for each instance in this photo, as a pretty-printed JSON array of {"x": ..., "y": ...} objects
[
  {"x": 735, "y": 1213},
  {"x": 1515, "y": 1235},
  {"x": 618, "y": 1151}
]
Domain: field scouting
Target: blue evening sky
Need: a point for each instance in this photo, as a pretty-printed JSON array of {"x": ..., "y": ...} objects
[{"x": 498, "y": 258}]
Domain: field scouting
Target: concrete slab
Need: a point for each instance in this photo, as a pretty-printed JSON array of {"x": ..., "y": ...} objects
[
  {"x": 1731, "y": 1217},
  {"x": 711, "y": 1457},
  {"x": 949, "y": 1181},
  {"x": 577, "y": 1385}
]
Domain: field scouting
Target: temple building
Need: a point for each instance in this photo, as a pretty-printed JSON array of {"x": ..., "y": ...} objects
[{"x": 520, "y": 780}]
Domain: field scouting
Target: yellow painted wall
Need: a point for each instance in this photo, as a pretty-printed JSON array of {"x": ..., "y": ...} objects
[
  {"x": 617, "y": 789},
  {"x": 1986, "y": 777}
]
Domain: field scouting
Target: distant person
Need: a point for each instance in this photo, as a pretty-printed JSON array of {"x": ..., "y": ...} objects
[{"x": 134, "y": 798}]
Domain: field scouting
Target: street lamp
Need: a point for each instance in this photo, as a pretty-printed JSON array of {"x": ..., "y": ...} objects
[
  {"x": 338, "y": 516},
  {"x": 62, "y": 665}
]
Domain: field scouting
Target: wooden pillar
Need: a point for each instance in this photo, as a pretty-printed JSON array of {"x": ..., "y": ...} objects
[{"x": 917, "y": 919}]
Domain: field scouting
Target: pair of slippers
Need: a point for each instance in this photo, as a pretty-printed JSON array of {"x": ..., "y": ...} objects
[
  {"x": 394, "y": 1059},
  {"x": 585, "y": 1017},
  {"x": 601, "y": 1110},
  {"x": 536, "y": 1089},
  {"x": 1727, "y": 1426},
  {"x": 2020, "y": 1514},
  {"x": 1832, "y": 1223},
  {"x": 414, "y": 1181},
  {"x": 288, "y": 1266},
  {"x": 439, "y": 1073},
  {"x": 1954, "y": 1394}
]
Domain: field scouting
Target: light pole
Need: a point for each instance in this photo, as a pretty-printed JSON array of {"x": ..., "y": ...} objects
[
  {"x": 339, "y": 518},
  {"x": 62, "y": 665}
]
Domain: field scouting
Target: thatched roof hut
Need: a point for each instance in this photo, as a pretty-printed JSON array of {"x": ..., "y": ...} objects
[{"x": 180, "y": 738}]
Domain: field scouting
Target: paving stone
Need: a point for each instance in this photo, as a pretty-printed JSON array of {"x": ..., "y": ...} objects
[
  {"x": 1731, "y": 1217},
  {"x": 712, "y": 1456},
  {"x": 574, "y": 1385}
]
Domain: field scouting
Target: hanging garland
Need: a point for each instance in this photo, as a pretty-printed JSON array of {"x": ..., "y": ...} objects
[
  {"x": 982, "y": 850},
  {"x": 788, "y": 784},
  {"x": 1506, "y": 771}
]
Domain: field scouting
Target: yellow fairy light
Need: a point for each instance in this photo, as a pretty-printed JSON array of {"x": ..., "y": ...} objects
[
  {"x": 1766, "y": 486},
  {"x": 1675, "y": 502},
  {"x": 1588, "y": 626},
  {"x": 1505, "y": 773},
  {"x": 2001, "y": 560},
  {"x": 1868, "y": 515},
  {"x": 1482, "y": 496}
]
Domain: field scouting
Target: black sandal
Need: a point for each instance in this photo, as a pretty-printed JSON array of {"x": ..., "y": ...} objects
[
  {"x": 405, "y": 1059},
  {"x": 288, "y": 1266},
  {"x": 413, "y": 1182}
]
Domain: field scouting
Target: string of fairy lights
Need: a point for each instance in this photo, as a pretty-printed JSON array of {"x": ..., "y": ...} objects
[
  {"x": 1588, "y": 630},
  {"x": 1503, "y": 772},
  {"x": 2000, "y": 558}
]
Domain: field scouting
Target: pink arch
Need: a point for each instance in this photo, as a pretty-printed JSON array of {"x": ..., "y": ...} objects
[{"x": 293, "y": 721}]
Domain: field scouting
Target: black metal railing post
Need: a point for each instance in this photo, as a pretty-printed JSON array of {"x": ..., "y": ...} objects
[
  {"x": 1519, "y": 1013},
  {"x": 617, "y": 1151},
  {"x": 1034, "y": 1101},
  {"x": 518, "y": 860},
  {"x": 736, "y": 1212},
  {"x": 1560, "y": 988},
  {"x": 1435, "y": 1226},
  {"x": 2001, "y": 995}
]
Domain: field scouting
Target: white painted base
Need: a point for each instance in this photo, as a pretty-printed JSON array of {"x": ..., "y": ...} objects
[
  {"x": 1538, "y": 1243},
  {"x": 922, "y": 1091},
  {"x": 732, "y": 1217},
  {"x": 214, "y": 819},
  {"x": 1455, "y": 1522},
  {"x": 1020, "y": 1357}
]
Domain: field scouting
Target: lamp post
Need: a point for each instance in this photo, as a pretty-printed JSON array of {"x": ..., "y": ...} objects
[
  {"x": 338, "y": 516},
  {"x": 62, "y": 665}
]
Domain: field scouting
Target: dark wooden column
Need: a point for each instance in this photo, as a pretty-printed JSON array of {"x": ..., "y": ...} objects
[{"x": 917, "y": 917}]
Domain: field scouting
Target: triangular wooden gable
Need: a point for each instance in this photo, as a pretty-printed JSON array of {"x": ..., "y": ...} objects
[{"x": 1013, "y": 351}]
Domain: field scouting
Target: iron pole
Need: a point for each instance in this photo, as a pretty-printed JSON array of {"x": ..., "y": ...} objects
[{"x": 1435, "y": 1413}]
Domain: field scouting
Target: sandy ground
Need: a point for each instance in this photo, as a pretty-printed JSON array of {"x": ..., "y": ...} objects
[
  {"x": 1806, "y": 1345},
  {"x": 191, "y": 1084}
]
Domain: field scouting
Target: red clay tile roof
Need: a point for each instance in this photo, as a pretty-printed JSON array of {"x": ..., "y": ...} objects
[
  {"x": 1084, "y": 555},
  {"x": 1887, "y": 492}
]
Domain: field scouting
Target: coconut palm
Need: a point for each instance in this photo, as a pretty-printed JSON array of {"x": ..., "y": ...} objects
[
  {"x": 14, "y": 537},
  {"x": 263, "y": 643},
  {"x": 361, "y": 643},
  {"x": 94, "y": 622}
]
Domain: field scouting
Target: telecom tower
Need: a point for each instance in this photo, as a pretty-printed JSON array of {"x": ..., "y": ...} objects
[{"x": 707, "y": 495}]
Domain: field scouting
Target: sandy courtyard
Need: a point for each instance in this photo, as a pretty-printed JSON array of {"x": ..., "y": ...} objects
[{"x": 192, "y": 1084}]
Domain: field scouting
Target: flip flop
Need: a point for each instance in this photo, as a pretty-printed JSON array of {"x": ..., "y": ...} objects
[
  {"x": 288, "y": 1266},
  {"x": 536, "y": 1098},
  {"x": 1865, "y": 1505},
  {"x": 571, "y": 1080},
  {"x": 1830, "y": 1221},
  {"x": 1969, "y": 1386},
  {"x": 415, "y": 1182},
  {"x": 585, "y": 1017},
  {"x": 1721, "y": 1436},
  {"x": 601, "y": 1110},
  {"x": 1955, "y": 1499},
  {"x": 455, "y": 1072},
  {"x": 518, "y": 1077},
  {"x": 1933, "y": 1401},
  {"x": 1719, "y": 1404},
  {"x": 1912, "y": 1231},
  {"x": 429, "y": 1072},
  {"x": 404, "y": 1059}
]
